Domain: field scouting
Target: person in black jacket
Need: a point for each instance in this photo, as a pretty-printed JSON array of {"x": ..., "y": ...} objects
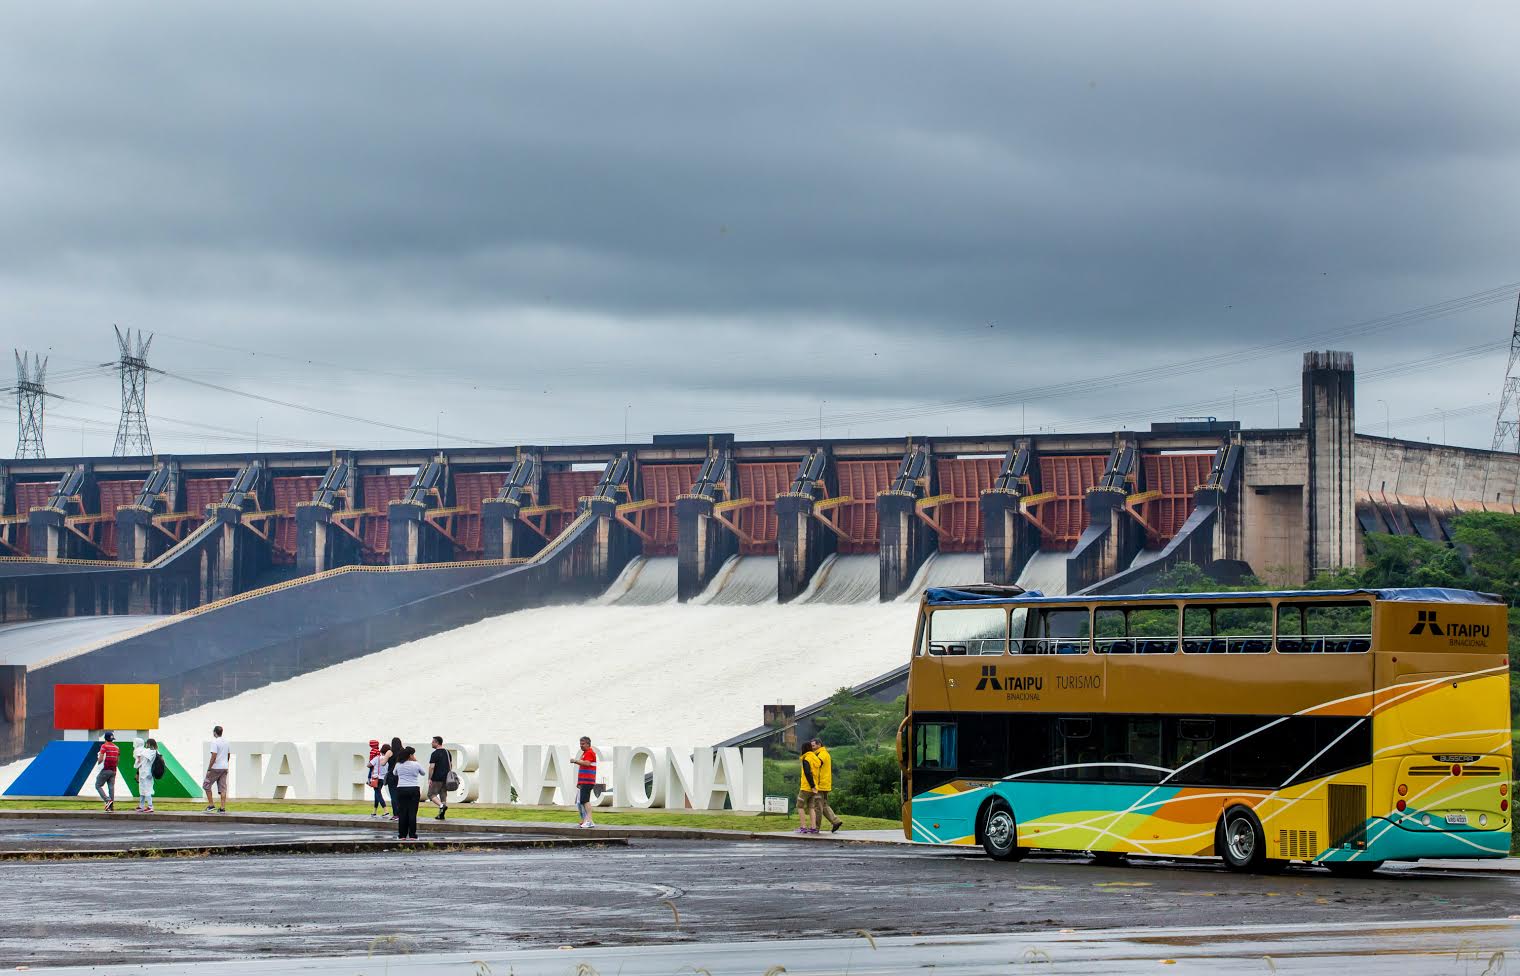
[{"x": 390, "y": 772}]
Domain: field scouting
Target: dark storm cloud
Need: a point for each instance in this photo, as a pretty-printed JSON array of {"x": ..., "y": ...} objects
[{"x": 867, "y": 176}]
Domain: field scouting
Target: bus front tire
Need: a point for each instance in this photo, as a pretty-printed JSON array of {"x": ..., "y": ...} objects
[
  {"x": 999, "y": 832},
  {"x": 1243, "y": 844}
]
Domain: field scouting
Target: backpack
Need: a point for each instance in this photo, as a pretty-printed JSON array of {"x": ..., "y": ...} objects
[
  {"x": 451, "y": 781},
  {"x": 159, "y": 768}
]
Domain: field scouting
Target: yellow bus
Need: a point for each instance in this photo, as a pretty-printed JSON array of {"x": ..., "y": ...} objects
[{"x": 1345, "y": 728}]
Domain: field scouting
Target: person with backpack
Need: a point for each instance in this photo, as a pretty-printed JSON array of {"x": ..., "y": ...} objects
[
  {"x": 150, "y": 768},
  {"x": 440, "y": 770}
]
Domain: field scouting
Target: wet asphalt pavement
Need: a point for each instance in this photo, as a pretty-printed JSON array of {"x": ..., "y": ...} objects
[{"x": 656, "y": 893}]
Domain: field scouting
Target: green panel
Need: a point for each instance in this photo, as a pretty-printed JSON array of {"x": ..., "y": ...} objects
[{"x": 177, "y": 784}]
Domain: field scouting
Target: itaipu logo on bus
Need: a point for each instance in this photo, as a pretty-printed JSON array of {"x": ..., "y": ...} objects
[
  {"x": 990, "y": 681},
  {"x": 1458, "y": 635}
]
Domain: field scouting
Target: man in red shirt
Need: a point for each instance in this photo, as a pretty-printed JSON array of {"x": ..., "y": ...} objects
[
  {"x": 105, "y": 780},
  {"x": 585, "y": 781}
]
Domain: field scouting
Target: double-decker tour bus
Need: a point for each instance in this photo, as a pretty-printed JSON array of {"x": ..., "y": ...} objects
[{"x": 1343, "y": 728}]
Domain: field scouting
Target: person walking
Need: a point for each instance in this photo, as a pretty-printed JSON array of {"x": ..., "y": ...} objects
[
  {"x": 105, "y": 780},
  {"x": 379, "y": 768},
  {"x": 144, "y": 757},
  {"x": 216, "y": 771},
  {"x": 585, "y": 781},
  {"x": 407, "y": 796},
  {"x": 821, "y": 809},
  {"x": 807, "y": 791},
  {"x": 391, "y": 763},
  {"x": 438, "y": 777}
]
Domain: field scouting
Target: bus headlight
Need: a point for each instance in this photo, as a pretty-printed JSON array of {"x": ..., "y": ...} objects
[
  {"x": 1482, "y": 820},
  {"x": 1425, "y": 820}
]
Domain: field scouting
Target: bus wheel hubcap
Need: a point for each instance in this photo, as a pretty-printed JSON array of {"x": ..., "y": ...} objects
[
  {"x": 1000, "y": 829},
  {"x": 1242, "y": 839}
]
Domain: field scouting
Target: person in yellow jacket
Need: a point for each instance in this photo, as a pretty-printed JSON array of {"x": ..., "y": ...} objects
[
  {"x": 807, "y": 792},
  {"x": 824, "y": 780}
]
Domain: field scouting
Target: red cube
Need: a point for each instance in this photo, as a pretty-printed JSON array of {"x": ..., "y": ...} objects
[{"x": 78, "y": 706}]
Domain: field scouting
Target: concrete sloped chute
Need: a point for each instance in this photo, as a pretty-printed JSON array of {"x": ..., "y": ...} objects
[
  {"x": 1046, "y": 572},
  {"x": 844, "y": 580},
  {"x": 646, "y": 581},
  {"x": 742, "y": 581},
  {"x": 944, "y": 569}
]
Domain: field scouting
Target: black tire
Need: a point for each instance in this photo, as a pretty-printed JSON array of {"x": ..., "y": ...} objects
[
  {"x": 1352, "y": 869},
  {"x": 1243, "y": 844},
  {"x": 999, "y": 832},
  {"x": 1109, "y": 859}
]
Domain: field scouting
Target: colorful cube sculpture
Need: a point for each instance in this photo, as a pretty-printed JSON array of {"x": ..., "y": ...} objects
[{"x": 63, "y": 767}]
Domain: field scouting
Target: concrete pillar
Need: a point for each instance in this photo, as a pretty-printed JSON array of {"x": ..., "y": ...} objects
[
  {"x": 702, "y": 545},
  {"x": 1329, "y": 419},
  {"x": 406, "y": 532},
  {"x": 137, "y": 540},
  {"x": 47, "y": 534},
  {"x": 903, "y": 541},
  {"x": 800, "y": 545},
  {"x": 12, "y": 711},
  {"x": 320, "y": 544},
  {"x": 1008, "y": 540}
]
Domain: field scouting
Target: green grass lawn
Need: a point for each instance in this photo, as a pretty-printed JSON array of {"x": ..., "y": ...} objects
[{"x": 716, "y": 819}]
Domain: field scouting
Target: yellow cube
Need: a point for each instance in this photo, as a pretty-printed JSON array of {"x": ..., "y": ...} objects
[{"x": 131, "y": 706}]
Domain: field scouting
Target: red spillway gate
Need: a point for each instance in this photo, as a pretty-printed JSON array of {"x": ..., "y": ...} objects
[
  {"x": 761, "y": 482},
  {"x": 662, "y": 485},
  {"x": 471, "y": 490},
  {"x": 959, "y": 517},
  {"x": 1065, "y": 479},
  {"x": 113, "y": 495},
  {"x": 565, "y": 490},
  {"x": 861, "y": 482},
  {"x": 1174, "y": 476},
  {"x": 289, "y": 493},
  {"x": 379, "y": 491},
  {"x": 28, "y": 495}
]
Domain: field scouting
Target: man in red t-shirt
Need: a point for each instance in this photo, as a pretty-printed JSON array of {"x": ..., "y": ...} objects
[
  {"x": 105, "y": 780},
  {"x": 585, "y": 781}
]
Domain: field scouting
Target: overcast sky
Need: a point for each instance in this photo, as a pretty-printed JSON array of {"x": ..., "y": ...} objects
[{"x": 523, "y": 223}]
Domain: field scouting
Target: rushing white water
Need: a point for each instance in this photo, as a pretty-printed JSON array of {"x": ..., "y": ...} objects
[
  {"x": 845, "y": 579},
  {"x": 740, "y": 582},
  {"x": 944, "y": 569},
  {"x": 643, "y": 582},
  {"x": 659, "y": 675},
  {"x": 1046, "y": 572}
]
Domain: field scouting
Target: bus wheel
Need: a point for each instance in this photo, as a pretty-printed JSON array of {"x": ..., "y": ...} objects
[
  {"x": 999, "y": 832},
  {"x": 1353, "y": 869},
  {"x": 1241, "y": 841},
  {"x": 1109, "y": 859}
]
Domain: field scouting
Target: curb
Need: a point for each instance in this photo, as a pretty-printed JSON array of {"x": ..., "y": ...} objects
[
  {"x": 350, "y": 821},
  {"x": 302, "y": 847}
]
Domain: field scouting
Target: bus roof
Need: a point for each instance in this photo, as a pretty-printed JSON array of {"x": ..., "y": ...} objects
[{"x": 939, "y": 595}]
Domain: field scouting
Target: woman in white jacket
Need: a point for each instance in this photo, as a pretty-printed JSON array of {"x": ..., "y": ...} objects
[{"x": 142, "y": 758}]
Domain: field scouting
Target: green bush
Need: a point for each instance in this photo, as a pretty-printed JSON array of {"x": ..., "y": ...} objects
[{"x": 871, "y": 789}]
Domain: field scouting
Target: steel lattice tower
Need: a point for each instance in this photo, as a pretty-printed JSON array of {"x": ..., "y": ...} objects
[
  {"x": 1507, "y": 426},
  {"x": 132, "y": 436},
  {"x": 31, "y": 396}
]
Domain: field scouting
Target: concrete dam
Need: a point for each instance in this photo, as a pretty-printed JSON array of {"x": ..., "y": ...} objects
[{"x": 218, "y": 575}]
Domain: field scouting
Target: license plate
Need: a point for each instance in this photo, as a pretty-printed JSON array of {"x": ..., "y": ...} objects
[{"x": 1457, "y": 818}]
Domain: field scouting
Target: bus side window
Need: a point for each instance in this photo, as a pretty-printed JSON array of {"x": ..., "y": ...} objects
[
  {"x": 934, "y": 745},
  {"x": 968, "y": 630},
  {"x": 1198, "y": 631},
  {"x": 1345, "y": 628},
  {"x": 1245, "y": 628},
  {"x": 1290, "y": 629},
  {"x": 1112, "y": 634},
  {"x": 1153, "y": 629}
]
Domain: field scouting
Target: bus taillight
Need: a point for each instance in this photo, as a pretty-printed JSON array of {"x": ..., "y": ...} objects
[
  {"x": 1403, "y": 790},
  {"x": 1456, "y": 769},
  {"x": 1503, "y": 788},
  {"x": 1399, "y": 806}
]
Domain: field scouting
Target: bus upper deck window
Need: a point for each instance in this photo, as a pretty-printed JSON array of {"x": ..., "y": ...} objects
[
  {"x": 1227, "y": 628},
  {"x": 1320, "y": 627},
  {"x": 1153, "y": 630},
  {"x": 968, "y": 631},
  {"x": 1056, "y": 630}
]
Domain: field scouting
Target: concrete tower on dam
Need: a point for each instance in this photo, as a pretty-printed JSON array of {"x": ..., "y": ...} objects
[{"x": 1099, "y": 511}]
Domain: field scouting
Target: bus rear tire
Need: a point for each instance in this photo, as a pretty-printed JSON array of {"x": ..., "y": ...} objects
[
  {"x": 1243, "y": 844},
  {"x": 999, "y": 832},
  {"x": 1352, "y": 869}
]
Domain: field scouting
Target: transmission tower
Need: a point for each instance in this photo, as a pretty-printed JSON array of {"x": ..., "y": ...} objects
[
  {"x": 1507, "y": 426},
  {"x": 132, "y": 433},
  {"x": 31, "y": 396}
]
